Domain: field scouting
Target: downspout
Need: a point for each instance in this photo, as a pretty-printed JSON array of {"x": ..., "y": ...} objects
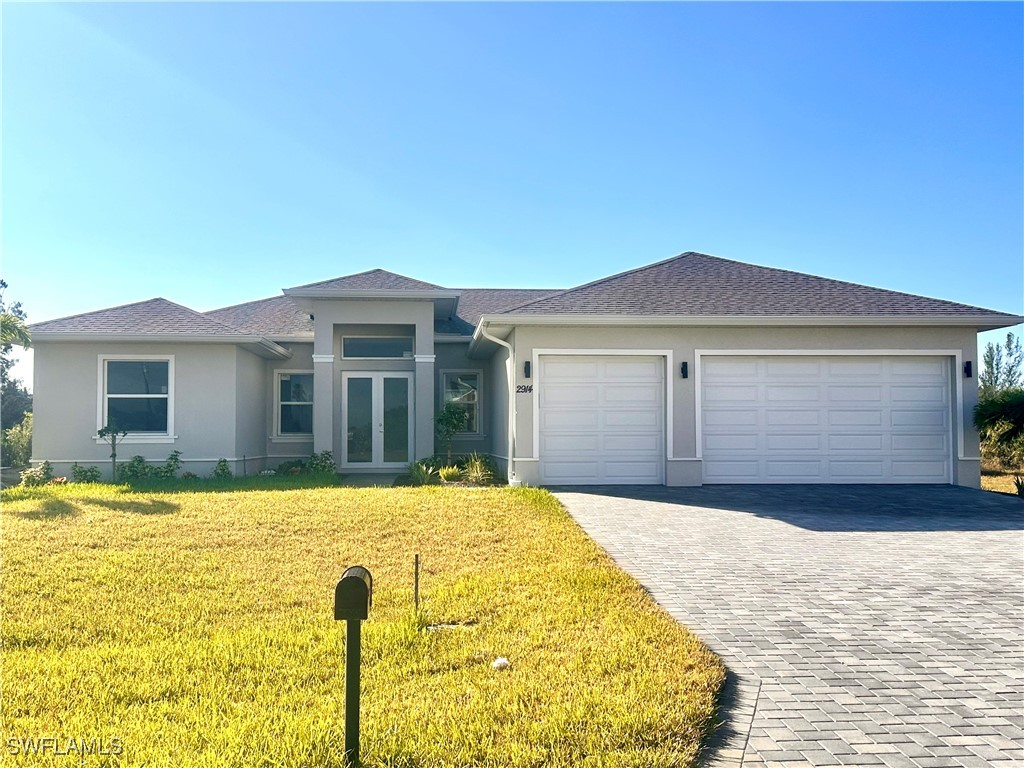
[{"x": 510, "y": 369}]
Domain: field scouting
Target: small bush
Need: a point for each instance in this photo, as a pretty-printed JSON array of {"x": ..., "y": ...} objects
[
  {"x": 420, "y": 473},
  {"x": 169, "y": 470},
  {"x": 57, "y": 481},
  {"x": 17, "y": 443},
  {"x": 1018, "y": 483},
  {"x": 40, "y": 475},
  {"x": 294, "y": 467},
  {"x": 479, "y": 469},
  {"x": 81, "y": 474},
  {"x": 189, "y": 476},
  {"x": 135, "y": 468},
  {"x": 999, "y": 418},
  {"x": 322, "y": 463},
  {"x": 449, "y": 474},
  {"x": 222, "y": 471}
]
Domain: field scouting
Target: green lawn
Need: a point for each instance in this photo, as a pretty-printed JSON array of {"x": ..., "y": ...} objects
[{"x": 197, "y": 629}]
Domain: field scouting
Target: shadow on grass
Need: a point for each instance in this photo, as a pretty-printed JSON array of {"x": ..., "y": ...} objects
[
  {"x": 232, "y": 485},
  {"x": 53, "y": 508},
  {"x": 136, "y": 506},
  {"x": 50, "y": 509}
]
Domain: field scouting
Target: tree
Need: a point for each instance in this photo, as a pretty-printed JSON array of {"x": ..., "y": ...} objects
[
  {"x": 448, "y": 422},
  {"x": 1001, "y": 367},
  {"x": 15, "y": 399},
  {"x": 112, "y": 434},
  {"x": 999, "y": 419}
]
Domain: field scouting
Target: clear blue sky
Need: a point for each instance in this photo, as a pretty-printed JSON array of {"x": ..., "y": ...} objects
[{"x": 216, "y": 153}]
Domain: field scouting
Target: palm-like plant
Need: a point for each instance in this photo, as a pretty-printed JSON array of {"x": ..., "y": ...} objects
[{"x": 14, "y": 331}]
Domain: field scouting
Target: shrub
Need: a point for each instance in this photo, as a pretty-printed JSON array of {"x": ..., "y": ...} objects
[
  {"x": 134, "y": 469},
  {"x": 82, "y": 474},
  {"x": 421, "y": 473},
  {"x": 294, "y": 467},
  {"x": 999, "y": 418},
  {"x": 1018, "y": 483},
  {"x": 449, "y": 474},
  {"x": 322, "y": 463},
  {"x": 17, "y": 443},
  {"x": 169, "y": 470},
  {"x": 189, "y": 476},
  {"x": 222, "y": 471},
  {"x": 57, "y": 481},
  {"x": 448, "y": 422},
  {"x": 479, "y": 469},
  {"x": 40, "y": 475}
]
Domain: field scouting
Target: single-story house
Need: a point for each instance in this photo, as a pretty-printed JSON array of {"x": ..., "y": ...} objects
[{"x": 693, "y": 370}]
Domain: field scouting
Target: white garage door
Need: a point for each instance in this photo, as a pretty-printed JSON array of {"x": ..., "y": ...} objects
[
  {"x": 602, "y": 419},
  {"x": 825, "y": 419}
]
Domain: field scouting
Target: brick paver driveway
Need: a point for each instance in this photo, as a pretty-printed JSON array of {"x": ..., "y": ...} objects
[{"x": 866, "y": 626}]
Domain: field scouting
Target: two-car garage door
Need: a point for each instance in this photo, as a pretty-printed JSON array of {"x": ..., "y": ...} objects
[
  {"x": 761, "y": 419},
  {"x": 848, "y": 419}
]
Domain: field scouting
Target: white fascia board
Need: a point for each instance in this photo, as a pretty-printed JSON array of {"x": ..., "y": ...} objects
[
  {"x": 265, "y": 347},
  {"x": 348, "y": 293},
  {"x": 981, "y": 322}
]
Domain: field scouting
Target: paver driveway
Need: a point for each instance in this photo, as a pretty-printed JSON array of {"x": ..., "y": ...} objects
[{"x": 862, "y": 626}]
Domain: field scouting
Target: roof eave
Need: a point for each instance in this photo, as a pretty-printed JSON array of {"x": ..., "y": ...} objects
[
  {"x": 982, "y": 322},
  {"x": 257, "y": 344}
]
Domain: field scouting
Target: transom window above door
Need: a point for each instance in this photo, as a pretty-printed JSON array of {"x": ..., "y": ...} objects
[{"x": 377, "y": 347}]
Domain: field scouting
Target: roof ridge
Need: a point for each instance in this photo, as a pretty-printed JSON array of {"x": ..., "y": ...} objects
[
  {"x": 156, "y": 299},
  {"x": 246, "y": 303},
  {"x": 231, "y": 328},
  {"x": 592, "y": 283},
  {"x": 105, "y": 309}
]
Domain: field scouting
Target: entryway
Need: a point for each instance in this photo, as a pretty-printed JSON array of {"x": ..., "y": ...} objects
[{"x": 376, "y": 420}]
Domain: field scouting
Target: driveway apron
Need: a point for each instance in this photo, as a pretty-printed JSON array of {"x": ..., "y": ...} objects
[{"x": 861, "y": 625}]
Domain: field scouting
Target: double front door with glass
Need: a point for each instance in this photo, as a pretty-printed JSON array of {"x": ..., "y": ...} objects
[{"x": 376, "y": 420}]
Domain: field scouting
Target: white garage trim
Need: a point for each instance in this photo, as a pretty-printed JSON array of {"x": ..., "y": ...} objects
[
  {"x": 954, "y": 354},
  {"x": 665, "y": 353}
]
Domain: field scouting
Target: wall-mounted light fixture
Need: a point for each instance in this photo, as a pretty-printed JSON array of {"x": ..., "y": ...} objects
[
  {"x": 526, "y": 369},
  {"x": 684, "y": 370},
  {"x": 968, "y": 369}
]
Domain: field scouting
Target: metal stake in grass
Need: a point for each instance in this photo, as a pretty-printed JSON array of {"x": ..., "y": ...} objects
[{"x": 416, "y": 581}]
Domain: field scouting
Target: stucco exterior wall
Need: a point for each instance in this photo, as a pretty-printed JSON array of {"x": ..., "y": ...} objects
[
  {"x": 498, "y": 376},
  {"x": 452, "y": 357},
  {"x": 250, "y": 412},
  {"x": 66, "y": 389},
  {"x": 683, "y": 468},
  {"x": 284, "y": 448}
]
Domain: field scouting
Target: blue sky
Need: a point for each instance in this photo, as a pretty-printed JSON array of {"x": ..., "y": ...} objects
[{"x": 216, "y": 153}]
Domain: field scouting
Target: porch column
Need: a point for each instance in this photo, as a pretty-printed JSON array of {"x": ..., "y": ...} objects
[
  {"x": 323, "y": 404},
  {"x": 424, "y": 445}
]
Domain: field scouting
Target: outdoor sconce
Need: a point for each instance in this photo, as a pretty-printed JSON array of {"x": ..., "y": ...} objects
[
  {"x": 968, "y": 369},
  {"x": 684, "y": 370},
  {"x": 526, "y": 369}
]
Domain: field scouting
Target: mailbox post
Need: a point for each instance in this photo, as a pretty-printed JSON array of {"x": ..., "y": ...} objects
[{"x": 352, "y": 598}]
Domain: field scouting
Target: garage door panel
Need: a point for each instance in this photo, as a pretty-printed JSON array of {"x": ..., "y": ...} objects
[
  {"x": 788, "y": 418},
  {"x": 782, "y": 393},
  {"x": 863, "y": 418},
  {"x": 826, "y": 419},
  {"x": 792, "y": 442},
  {"x": 606, "y": 423},
  {"x": 723, "y": 418}
]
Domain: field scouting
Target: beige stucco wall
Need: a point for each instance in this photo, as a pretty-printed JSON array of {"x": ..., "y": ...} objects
[
  {"x": 498, "y": 376},
  {"x": 66, "y": 391},
  {"x": 683, "y": 468},
  {"x": 252, "y": 393}
]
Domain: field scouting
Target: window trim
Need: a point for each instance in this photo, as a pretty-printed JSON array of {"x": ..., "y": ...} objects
[
  {"x": 478, "y": 432},
  {"x": 411, "y": 356},
  {"x": 288, "y": 437},
  {"x": 167, "y": 436}
]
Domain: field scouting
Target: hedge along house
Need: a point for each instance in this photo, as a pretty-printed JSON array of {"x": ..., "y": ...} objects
[{"x": 692, "y": 370}]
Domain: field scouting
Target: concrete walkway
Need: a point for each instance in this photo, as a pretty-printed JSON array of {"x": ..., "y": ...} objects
[{"x": 863, "y": 626}]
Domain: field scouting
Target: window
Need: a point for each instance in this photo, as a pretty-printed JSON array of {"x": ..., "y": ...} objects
[
  {"x": 136, "y": 394},
  {"x": 463, "y": 387},
  {"x": 295, "y": 403},
  {"x": 377, "y": 347}
]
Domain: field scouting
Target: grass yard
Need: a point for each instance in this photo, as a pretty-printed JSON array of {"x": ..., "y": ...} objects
[
  {"x": 197, "y": 629},
  {"x": 999, "y": 480}
]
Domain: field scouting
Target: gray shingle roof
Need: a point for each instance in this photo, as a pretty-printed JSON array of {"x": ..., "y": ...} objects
[
  {"x": 276, "y": 316},
  {"x": 374, "y": 280},
  {"x": 156, "y": 316},
  {"x": 697, "y": 284},
  {"x": 475, "y": 302}
]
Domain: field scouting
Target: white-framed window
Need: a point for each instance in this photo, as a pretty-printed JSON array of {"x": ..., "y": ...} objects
[
  {"x": 293, "y": 404},
  {"x": 136, "y": 394},
  {"x": 464, "y": 387},
  {"x": 377, "y": 347}
]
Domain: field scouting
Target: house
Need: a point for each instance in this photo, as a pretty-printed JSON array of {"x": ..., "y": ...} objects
[{"x": 692, "y": 370}]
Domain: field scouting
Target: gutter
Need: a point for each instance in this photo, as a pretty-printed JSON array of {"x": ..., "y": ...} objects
[{"x": 510, "y": 368}]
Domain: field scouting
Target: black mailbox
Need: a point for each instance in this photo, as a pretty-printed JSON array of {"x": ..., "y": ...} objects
[{"x": 353, "y": 595}]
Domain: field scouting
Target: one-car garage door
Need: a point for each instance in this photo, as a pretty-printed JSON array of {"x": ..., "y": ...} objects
[
  {"x": 601, "y": 419},
  {"x": 825, "y": 419}
]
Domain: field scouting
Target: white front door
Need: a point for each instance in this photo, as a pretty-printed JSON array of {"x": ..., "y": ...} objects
[{"x": 376, "y": 420}]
